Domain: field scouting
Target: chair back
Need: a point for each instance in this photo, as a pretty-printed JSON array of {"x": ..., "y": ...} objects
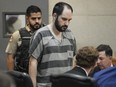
[
  {"x": 72, "y": 80},
  {"x": 20, "y": 79}
]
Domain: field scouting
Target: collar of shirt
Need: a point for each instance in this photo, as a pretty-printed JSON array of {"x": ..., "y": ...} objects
[
  {"x": 84, "y": 70},
  {"x": 28, "y": 29},
  {"x": 111, "y": 65}
]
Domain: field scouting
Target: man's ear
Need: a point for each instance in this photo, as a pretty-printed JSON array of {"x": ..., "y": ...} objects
[
  {"x": 54, "y": 15},
  {"x": 110, "y": 57}
]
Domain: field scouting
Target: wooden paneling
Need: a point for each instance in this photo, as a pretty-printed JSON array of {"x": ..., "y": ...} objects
[{"x": 114, "y": 61}]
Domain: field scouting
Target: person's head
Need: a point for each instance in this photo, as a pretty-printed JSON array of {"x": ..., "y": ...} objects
[
  {"x": 62, "y": 15},
  {"x": 6, "y": 80},
  {"x": 105, "y": 56},
  {"x": 34, "y": 17},
  {"x": 87, "y": 57}
]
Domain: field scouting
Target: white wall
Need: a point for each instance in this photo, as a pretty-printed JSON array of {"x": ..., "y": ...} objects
[{"x": 94, "y": 21}]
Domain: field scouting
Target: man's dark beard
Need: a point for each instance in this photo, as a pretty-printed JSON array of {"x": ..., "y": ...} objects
[
  {"x": 60, "y": 28},
  {"x": 34, "y": 28}
]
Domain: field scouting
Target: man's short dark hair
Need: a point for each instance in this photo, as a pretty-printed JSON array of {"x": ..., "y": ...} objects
[
  {"x": 59, "y": 7},
  {"x": 32, "y": 9},
  {"x": 106, "y": 48}
]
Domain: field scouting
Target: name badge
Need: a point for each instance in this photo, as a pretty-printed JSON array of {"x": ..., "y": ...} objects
[{"x": 70, "y": 53}]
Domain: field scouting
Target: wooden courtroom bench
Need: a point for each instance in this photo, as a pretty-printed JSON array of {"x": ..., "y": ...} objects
[{"x": 114, "y": 61}]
